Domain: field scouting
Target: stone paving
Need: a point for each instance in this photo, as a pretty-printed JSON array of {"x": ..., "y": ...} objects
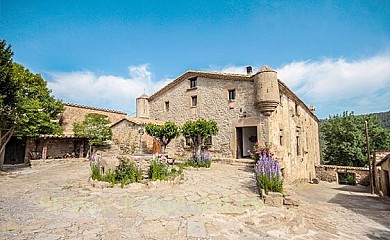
[{"x": 57, "y": 201}]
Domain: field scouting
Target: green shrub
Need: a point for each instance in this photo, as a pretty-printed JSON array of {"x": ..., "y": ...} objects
[
  {"x": 125, "y": 173},
  {"x": 159, "y": 170},
  {"x": 96, "y": 174}
]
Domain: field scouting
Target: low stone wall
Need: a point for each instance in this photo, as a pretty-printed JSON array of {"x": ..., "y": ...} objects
[{"x": 329, "y": 173}]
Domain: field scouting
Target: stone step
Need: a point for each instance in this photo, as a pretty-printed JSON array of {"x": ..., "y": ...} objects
[{"x": 235, "y": 161}]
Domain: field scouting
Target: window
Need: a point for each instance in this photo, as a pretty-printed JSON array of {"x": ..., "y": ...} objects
[
  {"x": 208, "y": 141},
  {"x": 167, "y": 106},
  {"x": 281, "y": 140},
  {"x": 298, "y": 150},
  {"x": 232, "y": 95},
  {"x": 194, "y": 101},
  {"x": 193, "y": 82},
  {"x": 296, "y": 109}
]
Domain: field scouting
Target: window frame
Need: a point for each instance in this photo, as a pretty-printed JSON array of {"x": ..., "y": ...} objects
[
  {"x": 193, "y": 82},
  {"x": 232, "y": 94},
  {"x": 195, "y": 97},
  {"x": 166, "y": 106}
]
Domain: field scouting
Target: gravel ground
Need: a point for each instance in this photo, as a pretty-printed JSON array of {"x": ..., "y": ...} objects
[{"x": 56, "y": 200}]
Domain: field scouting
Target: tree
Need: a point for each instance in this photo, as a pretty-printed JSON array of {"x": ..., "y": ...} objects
[
  {"x": 163, "y": 133},
  {"x": 8, "y": 87},
  {"x": 198, "y": 131},
  {"x": 38, "y": 111},
  {"x": 96, "y": 128},
  {"x": 26, "y": 107},
  {"x": 344, "y": 140},
  {"x": 8, "y": 94}
]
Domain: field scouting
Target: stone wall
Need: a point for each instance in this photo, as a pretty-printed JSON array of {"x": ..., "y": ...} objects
[
  {"x": 76, "y": 113},
  {"x": 382, "y": 171},
  {"x": 55, "y": 147},
  {"x": 290, "y": 120},
  {"x": 378, "y": 156},
  {"x": 328, "y": 173},
  {"x": 294, "y": 137},
  {"x": 126, "y": 135}
]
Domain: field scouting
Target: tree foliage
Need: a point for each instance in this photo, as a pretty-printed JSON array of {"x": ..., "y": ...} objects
[
  {"x": 198, "y": 131},
  {"x": 25, "y": 101},
  {"x": 27, "y": 108},
  {"x": 38, "y": 111},
  {"x": 163, "y": 133},
  {"x": 8, "y": 87},
  {"x": 344, "y": 141},
  {"x": 95, "y": 127}
]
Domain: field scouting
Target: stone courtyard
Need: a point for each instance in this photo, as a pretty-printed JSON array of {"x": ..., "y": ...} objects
[{"x": 55, "y": 200}]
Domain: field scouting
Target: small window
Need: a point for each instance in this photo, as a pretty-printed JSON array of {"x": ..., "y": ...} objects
[
  {"x": 167, "y": 106},
  {"x": 296, "y": 109},
  {"x": 281, "y": 140},
  {"x": 194, "y": 101},
  {"x": 232, "y": 95},
  {"x": 298, "y": 147},
  {"x": 208, "y": 141},
  {"x": 193, "y": 82}
]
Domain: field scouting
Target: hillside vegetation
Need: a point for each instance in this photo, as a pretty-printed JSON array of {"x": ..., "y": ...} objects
[{"x": 384, "y": 118}]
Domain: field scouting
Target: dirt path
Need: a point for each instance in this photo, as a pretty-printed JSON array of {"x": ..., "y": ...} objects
[{"x": 56, "y": 201}]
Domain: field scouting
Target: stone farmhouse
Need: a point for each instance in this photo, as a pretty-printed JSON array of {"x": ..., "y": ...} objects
[
  {"x": 125, "y": 130},
  {"x": 248, "y": 108}
]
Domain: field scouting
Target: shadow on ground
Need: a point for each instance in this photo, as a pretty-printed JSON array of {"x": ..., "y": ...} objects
[
  {"x": 378, "y": 234},
  {"x": 370, "y": 206},
  {"x": 352, "y": 188}
]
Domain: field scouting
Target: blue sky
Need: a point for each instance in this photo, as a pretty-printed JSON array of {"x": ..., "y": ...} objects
[{"x": 333, "y": 54}]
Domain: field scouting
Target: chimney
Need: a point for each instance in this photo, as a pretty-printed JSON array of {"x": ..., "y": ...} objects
[
  {"x": 249, "y": 70},
  {"x": 312, "y": 109}
]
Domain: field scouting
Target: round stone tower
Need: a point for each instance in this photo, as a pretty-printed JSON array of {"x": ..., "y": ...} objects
[
  {"x": 267, "y": 90},
  {"x": 142, "y": 106}
]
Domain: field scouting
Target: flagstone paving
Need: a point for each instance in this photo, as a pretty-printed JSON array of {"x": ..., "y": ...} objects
[{"x": 57, "y": 201}]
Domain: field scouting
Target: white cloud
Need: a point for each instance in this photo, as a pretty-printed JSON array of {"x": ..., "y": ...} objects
[
  {"x": 332, "y": 85},
  {"x": 228, "y": 69},
  {"x": 105, "y": 91},
  {"x": 335, "y": 85}
]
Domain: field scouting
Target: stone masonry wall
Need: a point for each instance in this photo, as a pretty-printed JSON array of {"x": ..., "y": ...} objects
[
  {"x": 55, "y": 148},
  {"x": 383, "y": 184},
  {"x": 127, "y": 137},
  {"x": 76, "y": 113},
  {"x": 328, "y": 173},
  {"x": 213, "y": 103},
  {"x": 295, "y": 139},
  {"x": 378, "y": 171}
]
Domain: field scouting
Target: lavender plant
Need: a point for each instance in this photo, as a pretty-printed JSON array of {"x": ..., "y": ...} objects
[
  {"x": 202, "y": 160},
  {"x": 267, "y": 170}
]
